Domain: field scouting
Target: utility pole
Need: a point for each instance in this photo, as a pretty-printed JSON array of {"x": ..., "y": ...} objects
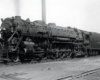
[{"x": 43, "y": 11}]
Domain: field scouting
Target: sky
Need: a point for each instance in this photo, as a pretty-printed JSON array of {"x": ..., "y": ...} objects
[{"x": 82, "y": 14}]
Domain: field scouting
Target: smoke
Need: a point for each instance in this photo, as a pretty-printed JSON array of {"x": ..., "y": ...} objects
[{"x": 17, "y": 7}]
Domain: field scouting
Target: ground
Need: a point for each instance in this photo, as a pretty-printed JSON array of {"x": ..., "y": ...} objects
[{"x": 51, "y": 70}]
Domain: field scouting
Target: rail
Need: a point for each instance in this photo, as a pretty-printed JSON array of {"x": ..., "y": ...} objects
[{"x": 80, "y": 75}]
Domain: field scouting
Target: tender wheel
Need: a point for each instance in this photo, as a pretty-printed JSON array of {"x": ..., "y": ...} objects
[
  {"x": 69, "y": 55},
  {"x": 86, "y": 55},
  {"x": 22, "y": 60},
  {"x": 96, "y": 53},
  {"x": 15, "y": 58},
  {"x": 73, "y": 55}
]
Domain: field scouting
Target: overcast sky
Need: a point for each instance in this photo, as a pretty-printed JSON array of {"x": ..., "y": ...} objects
[{"x": 82, "y": 14}]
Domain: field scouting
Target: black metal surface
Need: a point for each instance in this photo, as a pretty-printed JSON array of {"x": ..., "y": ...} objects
[{"x": 95, "y": 41}]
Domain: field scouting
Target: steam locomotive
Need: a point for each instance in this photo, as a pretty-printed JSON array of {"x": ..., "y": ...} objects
[{"x": 51, "y": 41}]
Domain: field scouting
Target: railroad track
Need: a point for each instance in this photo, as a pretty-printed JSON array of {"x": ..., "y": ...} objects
[
  {"x": 80, "y": 75},
  {"x": 33, "y": 62}
]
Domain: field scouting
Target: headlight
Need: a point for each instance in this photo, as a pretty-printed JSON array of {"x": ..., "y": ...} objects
[{"x": 2, "y": 28}]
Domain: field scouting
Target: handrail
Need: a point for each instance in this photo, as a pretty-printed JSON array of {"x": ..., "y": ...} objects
[
  {"x": 12, "y": 36},
  {"x": 19, "y": 42}
]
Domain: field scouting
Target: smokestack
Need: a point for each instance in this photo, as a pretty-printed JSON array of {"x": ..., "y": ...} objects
[
  {"x": 17, "y": 6},
  {"x": 43, "y": 11}
]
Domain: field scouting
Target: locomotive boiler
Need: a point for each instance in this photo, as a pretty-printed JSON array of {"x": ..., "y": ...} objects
[{"x": 51, "y": 41}]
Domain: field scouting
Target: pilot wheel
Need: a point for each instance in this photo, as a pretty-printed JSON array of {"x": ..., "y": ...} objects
[{"x": 15, "y": 58}]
